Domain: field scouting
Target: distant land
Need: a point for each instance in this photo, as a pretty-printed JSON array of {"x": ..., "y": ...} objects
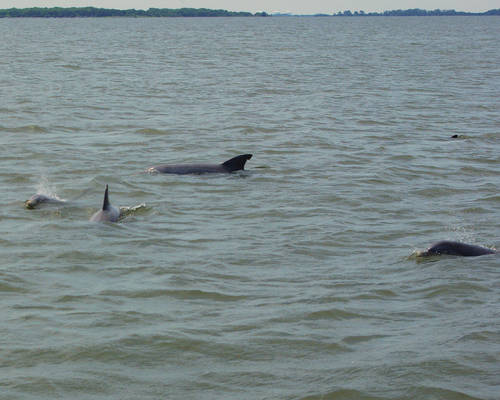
[
  {"x": 82, "y": 12},
  {"x": 414, "y": 12},
  {"x": 86, "y": 12}
]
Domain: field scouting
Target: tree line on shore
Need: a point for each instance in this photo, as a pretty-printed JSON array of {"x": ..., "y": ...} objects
[
  {"x": 75, "y": 12},
  {"x": 413, "y": 12}
]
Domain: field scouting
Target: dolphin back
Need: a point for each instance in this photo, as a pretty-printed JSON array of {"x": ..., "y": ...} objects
[
  {"x": 236, "y": 163},
  {"x": 449, "y": 247}
]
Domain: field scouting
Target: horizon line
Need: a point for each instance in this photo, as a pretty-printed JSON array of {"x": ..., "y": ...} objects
[{"x": 144, "y": 12}]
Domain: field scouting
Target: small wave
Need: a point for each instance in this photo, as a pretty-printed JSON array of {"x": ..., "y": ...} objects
[
  {"x": 67, "y": 128},
  {"x": 152, "y": 131},
  {"x": 180, "y": 294},
  {"x": 72, "y": 298},
  {"x": 466, "y": 288},
  {"x": 370, "y": 122},
  {"x": 361, "y": 339},
  {"x": 7, "y": 288},
  {"x": 494, "y": 198},
  {"x": 71, "y": 66},
  {"x": 377, "y": 294},
  {"x": 427, "y": 392},
  {"x": 475, "y": 210},
  {"x": 334, "y": 314},
  {"x": 486, "y": 336},
  {"x": 342, "y": 394},
  {"x": 27, "y": 129}
]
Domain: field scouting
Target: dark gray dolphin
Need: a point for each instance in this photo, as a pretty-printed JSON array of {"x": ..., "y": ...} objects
[
  {"x": 38, "y": 199},
  {"x": 108, "y": 213},
  {"x": 234, "y": 164},
  {"x": 451, "y": 248}
]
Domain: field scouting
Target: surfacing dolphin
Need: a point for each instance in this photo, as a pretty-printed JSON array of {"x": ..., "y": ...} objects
[
  {"x": 451, "y": 248},
  {"x": 108, "y": 213},
  {"x": 39, "y": 199},
  {"x": 234, "y": 164}
]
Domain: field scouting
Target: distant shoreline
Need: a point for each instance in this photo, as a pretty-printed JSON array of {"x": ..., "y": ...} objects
[
  {"x": 415, "y": 12},
  {"x": 93, "y": 12},
  {"x": 89, "y": 12}
]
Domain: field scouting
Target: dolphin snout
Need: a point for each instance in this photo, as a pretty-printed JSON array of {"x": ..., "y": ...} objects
[
  {"x": 29, "y": 204},
  {"x": 32, "y": 202},
  {"x": 422, "y": 253}
]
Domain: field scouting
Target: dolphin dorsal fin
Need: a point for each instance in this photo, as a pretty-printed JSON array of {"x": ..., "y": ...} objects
[
  {"x": 237, "y": 163},
  {"x": 105, "y": 203}
]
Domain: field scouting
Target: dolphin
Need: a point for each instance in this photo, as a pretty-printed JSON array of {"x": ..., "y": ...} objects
[
  {"x": 234, "y": 164},
  {"x": 452, "y": 248},
  {"x": 108, "y": 213},
  {"x": 38, "y": 199}
]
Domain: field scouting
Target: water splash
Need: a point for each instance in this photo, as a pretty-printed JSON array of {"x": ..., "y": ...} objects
[
  {"x": 133, "y": 210},
  {"x": 46, "y": 188}
]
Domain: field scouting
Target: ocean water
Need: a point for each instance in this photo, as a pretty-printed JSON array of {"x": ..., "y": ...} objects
[{"x": 294, "y": 279}]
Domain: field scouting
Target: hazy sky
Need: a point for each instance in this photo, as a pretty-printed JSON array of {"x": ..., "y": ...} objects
[{"x": 293, "y": 6}]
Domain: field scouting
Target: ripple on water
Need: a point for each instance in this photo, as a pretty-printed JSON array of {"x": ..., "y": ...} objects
[{"x": 179, "y": 294}]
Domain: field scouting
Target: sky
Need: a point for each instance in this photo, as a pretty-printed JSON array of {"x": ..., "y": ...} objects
[{"x": 269, "y": 6}]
